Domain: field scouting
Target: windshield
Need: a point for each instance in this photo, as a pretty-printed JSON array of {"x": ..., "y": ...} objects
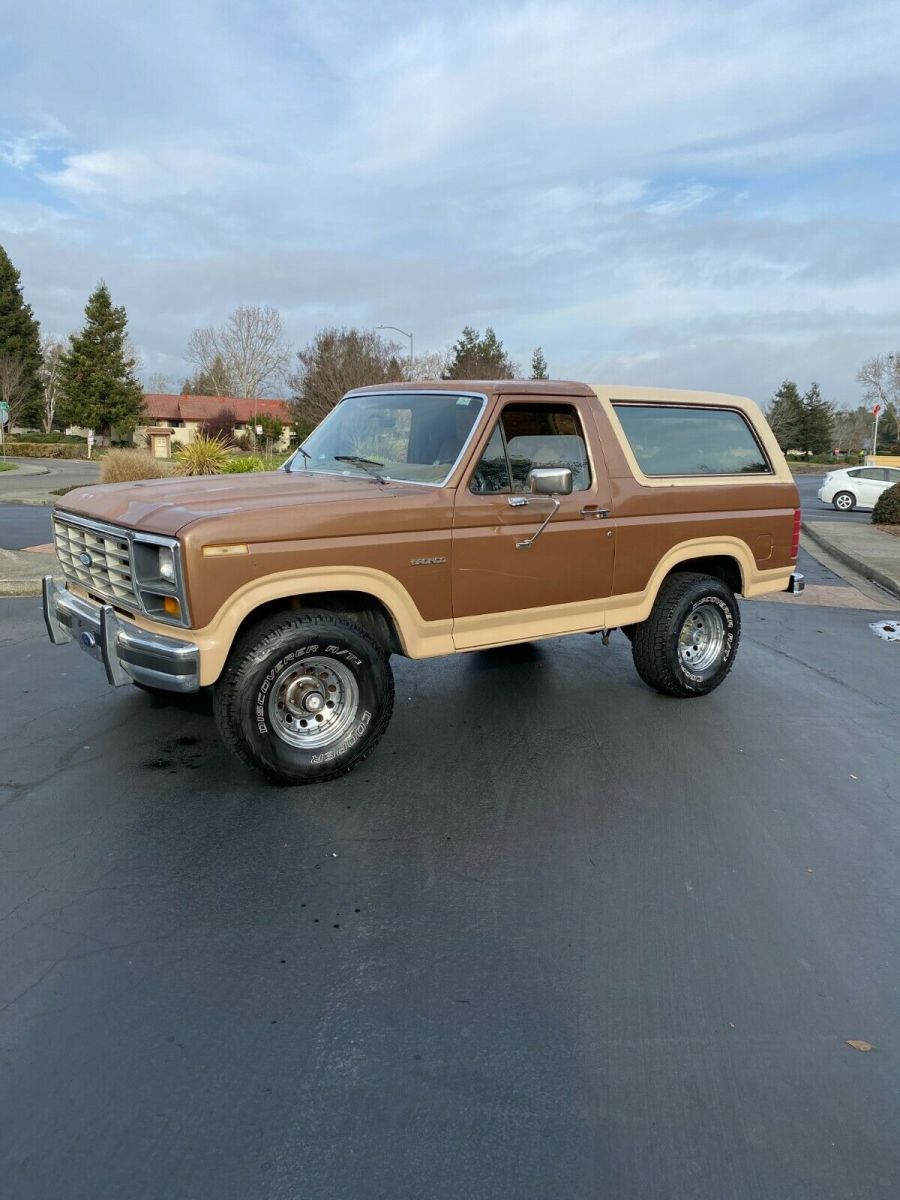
[{"x": 415, "y": 437}]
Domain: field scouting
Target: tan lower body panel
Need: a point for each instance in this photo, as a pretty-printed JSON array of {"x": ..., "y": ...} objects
[{"x": 431, "y": 639}]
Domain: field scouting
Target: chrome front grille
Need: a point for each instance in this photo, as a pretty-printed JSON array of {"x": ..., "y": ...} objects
[{"x": 98, "y": 558}]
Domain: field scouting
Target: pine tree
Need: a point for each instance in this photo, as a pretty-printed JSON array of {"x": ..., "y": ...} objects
[
  {"x": 20, "y": 339},
  {"x": 477, "y": 357},
  {"x": 98, "y": 379},
  {"x": 786, "y": 416},
  {"x": 539, "y": 365},
  {"x": 818, "y": 422},
  {"x": 213, "y": 381}
]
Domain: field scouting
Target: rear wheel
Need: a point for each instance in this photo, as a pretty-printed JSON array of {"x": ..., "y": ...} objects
[
  {"x": 304, "y": 697},
  {"x": 687, "y": 645},
  {"x": 844, "y": 501}
]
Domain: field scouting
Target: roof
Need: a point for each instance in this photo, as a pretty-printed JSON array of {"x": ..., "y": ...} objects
[
  {"x": 204, "y": 408},
  {"x": 553, "y": 387}
]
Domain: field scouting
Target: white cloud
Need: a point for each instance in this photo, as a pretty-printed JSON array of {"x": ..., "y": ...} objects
[{"x": 619, "y": 183}]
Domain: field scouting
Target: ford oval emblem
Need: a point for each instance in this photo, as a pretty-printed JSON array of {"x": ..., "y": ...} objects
[
  {"x": 85, "y": 559},
  {"x": 88, "y": 641}
]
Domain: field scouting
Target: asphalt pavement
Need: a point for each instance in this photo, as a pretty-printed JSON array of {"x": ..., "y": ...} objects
[
  {"x": 40, "y": 477},
  {"x": 560, "y": 937},
  {"x": 24, "y": 525}
]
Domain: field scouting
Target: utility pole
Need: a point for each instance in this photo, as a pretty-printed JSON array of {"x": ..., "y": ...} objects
[{"x": 397, "y": 329}]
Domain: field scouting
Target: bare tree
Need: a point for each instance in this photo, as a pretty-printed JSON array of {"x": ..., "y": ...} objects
[
  {"x": 335, "y": 361},
  {"x": 158, "y": 384},
  {"x": 248, "y": 352},
  {"x": 14, "y": 385},
  {"x": 430, "y": 365},
  {"x": 52, "y": 351},
  {"x": 880, "y": 377}
]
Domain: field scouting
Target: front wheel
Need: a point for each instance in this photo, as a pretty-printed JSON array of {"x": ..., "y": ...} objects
[
  {"x": 844, "y": 501},
  {"x": 687, "y": 645},
  {"x": 304, "y": 697}
]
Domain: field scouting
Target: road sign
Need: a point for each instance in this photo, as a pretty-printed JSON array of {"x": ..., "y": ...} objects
[
  {"x": 877, "y": 409},
  {"x": 4, "y": 412}
]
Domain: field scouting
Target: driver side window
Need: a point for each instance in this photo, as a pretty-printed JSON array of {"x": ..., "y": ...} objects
[{"x": 528, "y": 436}]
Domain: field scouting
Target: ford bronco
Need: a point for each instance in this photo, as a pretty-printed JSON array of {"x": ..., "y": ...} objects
[{"x": 427, "y": 519}]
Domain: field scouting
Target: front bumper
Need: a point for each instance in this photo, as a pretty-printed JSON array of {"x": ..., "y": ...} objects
[{"x": 128, "y": 653}]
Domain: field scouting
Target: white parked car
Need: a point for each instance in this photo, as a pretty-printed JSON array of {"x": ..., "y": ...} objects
[{"x": 858, "y": 487}]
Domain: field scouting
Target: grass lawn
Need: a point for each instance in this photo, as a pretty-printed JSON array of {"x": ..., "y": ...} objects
[{"x": 5, "y": 466}]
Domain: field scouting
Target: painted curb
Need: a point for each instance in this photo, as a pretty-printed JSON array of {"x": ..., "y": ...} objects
[{"x": 860, "y": 565}]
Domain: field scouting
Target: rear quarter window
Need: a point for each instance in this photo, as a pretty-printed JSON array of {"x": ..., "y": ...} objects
[{"x": 680, "y": 440}]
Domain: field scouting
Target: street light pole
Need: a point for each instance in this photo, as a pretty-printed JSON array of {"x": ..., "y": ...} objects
[{"x": 397, "y": 329}]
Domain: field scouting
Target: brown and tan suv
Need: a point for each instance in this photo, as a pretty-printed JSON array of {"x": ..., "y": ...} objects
[{"x": 427, "y": 519}]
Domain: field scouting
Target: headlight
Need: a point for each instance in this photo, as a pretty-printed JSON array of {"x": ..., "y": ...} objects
[{"x": 166, "y": 564}]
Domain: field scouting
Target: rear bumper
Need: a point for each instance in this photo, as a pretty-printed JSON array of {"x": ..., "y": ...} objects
[
  {"x": 128, "y": 653},
  {"x": 796, "y": 584}
]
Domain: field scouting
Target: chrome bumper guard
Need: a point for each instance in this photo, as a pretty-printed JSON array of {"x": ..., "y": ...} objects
[
  {"x": 128, "y": 653},
  {"x": 796, "y": 584}
]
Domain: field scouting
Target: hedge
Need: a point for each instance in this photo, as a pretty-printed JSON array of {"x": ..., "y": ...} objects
[{"x": 46, "y": 450}]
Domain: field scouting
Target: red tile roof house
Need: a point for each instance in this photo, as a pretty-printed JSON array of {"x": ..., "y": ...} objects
[{"x": 185, "y": 414}]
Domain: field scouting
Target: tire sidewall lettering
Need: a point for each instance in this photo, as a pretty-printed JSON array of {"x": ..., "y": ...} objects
[{"x": 288, "y": 659}]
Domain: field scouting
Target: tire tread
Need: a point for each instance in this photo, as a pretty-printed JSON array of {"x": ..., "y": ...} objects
[{"x": 256, "y": 640}]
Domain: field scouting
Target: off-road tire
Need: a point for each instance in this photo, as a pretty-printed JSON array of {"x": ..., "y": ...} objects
[
  {"x": 265, "y": 658},
  {"x": 843, "y": 507},
  {"x": 655, "y": 646}
]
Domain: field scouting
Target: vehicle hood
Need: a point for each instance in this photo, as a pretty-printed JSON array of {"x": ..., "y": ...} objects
[{"x": 167, "y": 506}]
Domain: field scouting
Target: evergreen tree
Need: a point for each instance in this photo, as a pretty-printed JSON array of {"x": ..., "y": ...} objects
[
  {"x": 786, "y": 416},
  {"x": 20, "y": 339},
  {"x": 98, "y": 379},
  {"x": 539, "y": 365},
  {"x": 213, "y": 381},
  {"x": 818, "y": 422},
  {"x": 477, "y": 357}
]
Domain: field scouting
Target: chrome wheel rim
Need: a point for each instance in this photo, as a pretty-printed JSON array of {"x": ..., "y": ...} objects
[
  {"x": 314, "y": 703},
  {"x": 702, "y": 638},
  {"x": 843, "y": 502}
]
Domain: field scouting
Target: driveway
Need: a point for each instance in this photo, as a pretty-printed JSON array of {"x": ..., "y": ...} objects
[{"x": 558, "y": 937}]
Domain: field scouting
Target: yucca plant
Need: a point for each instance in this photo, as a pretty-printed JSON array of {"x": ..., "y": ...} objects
[{"x": 202, "y": 456}]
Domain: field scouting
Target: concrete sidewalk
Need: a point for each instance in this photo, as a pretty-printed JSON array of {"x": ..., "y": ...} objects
[
  {"x": 21, "y": 571},
  {"x": 866, "y": 549}
]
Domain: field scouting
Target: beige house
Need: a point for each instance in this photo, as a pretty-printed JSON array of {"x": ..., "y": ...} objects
[{"x": 177, "y": 419}]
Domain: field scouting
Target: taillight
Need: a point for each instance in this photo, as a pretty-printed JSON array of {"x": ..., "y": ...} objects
[{"x": 795, "y": 540}]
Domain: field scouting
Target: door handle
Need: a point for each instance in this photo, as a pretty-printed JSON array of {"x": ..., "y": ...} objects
[{"x": 591, "y": 510}]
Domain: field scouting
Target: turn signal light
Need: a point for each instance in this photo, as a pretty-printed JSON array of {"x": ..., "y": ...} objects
[
  {"x": 171, "y": 606},
  {"x": 795, "y": 541}
]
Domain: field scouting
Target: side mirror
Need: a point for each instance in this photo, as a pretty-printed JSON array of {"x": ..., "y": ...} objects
[{"x": 551, "y": 481}]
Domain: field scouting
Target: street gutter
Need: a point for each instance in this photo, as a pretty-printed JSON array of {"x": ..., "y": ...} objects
[{"x": 855, "y": 560}]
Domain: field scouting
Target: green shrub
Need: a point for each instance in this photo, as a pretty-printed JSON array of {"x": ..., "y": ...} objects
[
  {"x": 47, "y": 449},
  {"x": 38, "y": 436},
  {"x": 241, "y": 466},
  {"x": 126, "y": 466},
  {"x": 202, "y": 456},
  {"x": 887, "y": 507}
]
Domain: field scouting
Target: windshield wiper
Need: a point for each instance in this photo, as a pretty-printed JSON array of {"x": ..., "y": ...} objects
[
  {"x": 307, "y": 459},
  {"x": 365, "y": 463}
]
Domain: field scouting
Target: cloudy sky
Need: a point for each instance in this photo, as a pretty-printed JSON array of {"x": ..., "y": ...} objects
[{"x": 696, "y": 194}]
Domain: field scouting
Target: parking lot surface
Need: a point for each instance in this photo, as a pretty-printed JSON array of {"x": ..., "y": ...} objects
[{"x": 559, "y": 937}]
